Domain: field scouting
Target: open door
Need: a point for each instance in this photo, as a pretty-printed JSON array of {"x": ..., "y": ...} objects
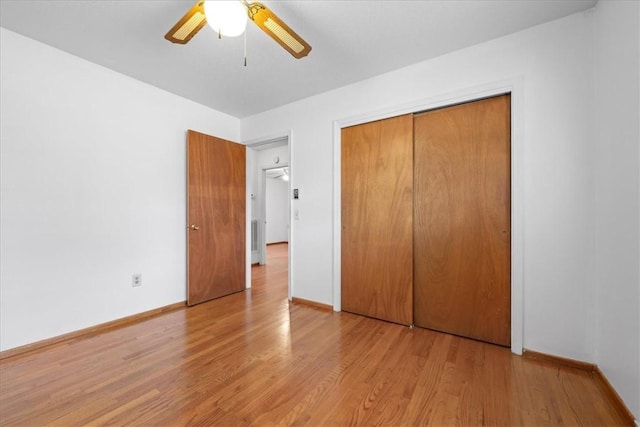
[{"x": 216, "y": 204}]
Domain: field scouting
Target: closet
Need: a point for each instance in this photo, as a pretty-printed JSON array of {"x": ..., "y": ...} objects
[{"x": 426, "y": 219}]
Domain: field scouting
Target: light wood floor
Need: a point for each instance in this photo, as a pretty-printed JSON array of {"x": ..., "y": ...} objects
[{"x": 254, "y": 359}]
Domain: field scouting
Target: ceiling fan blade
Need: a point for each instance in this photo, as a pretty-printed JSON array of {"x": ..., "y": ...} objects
[
  {"x": 188, "y": 25},
  {"x": 277, "y": 29}
]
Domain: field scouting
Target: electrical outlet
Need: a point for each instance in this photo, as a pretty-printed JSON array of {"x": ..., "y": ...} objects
[{"x": 136, "y": 280}]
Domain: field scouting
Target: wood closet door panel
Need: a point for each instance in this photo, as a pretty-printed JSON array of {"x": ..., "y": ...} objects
[
  {"x": 462, "y": 220},
  {"x": 377, "y": 206}
]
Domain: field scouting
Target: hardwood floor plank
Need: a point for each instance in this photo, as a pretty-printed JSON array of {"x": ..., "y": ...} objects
[{"x": 253, "y": 359}]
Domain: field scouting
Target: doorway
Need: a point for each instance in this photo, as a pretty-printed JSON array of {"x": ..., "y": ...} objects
[
  {"x": 275, "y": 209},
  {"x": 269, "y": 175}
]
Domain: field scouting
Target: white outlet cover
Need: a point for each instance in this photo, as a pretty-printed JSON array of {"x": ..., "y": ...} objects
[{"x": 136, "y": 280}]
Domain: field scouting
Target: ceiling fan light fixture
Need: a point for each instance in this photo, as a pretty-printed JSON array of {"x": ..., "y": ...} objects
[
  {"x": 188, "y": 25},
  {"x": 227, "y": 18}
]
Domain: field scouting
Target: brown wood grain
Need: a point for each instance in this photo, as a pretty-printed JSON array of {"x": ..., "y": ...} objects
[
  {"x": 607, "y": 389},
  {"x": 543, "y": 357},
  {"x": 216, "y": 193},
  {"x": 64, "y": 339},
  {"x": 462, "y": 220},
  {"x": 252, "y": 358},
  {"x": 309, "y": 303},
  {"x": 614, "y": 398},
  {"x": 377, "y": 252}
]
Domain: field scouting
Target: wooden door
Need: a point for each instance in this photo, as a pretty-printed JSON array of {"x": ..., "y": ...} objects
[
  {"x": 216, "y": 194},
  {"x": 462, "y": 220},
  {"x": 377, "y": 252}
]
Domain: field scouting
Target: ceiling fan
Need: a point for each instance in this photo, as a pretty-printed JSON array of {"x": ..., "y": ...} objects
[{"x": 214, "y": 12}]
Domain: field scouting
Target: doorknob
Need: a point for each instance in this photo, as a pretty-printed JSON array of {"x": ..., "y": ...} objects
[{"x": 194, "y": 227}]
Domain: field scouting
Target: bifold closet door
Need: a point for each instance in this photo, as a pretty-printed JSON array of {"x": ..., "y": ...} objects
[
  {"x": 377, "y": 226},
  {"x": 462, "y": 220}
]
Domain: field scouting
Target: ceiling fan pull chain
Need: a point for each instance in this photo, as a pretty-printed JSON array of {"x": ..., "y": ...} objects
[{"x": 245, "y": 48}]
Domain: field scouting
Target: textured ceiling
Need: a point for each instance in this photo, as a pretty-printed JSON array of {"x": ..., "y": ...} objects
[{"x": 351, "y": 40}]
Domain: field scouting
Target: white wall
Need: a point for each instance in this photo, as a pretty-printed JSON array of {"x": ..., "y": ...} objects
[
  {"x": 277, "y": 204},
  {"x": 93, "y": 191},
  {"x": 555, "y": 62},
  {"x": 264, "y": 159},
  {"x": 617, "y": 118}
]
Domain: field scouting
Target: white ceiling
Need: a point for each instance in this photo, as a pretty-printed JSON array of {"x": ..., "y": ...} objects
[{"x": 351, "y": 40}]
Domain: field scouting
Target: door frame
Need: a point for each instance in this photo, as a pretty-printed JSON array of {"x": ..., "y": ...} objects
[
  {"x": 263, "y": 210},
  {"x": 288, "y": 135},
  {"x": 514, "y": 86}
]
